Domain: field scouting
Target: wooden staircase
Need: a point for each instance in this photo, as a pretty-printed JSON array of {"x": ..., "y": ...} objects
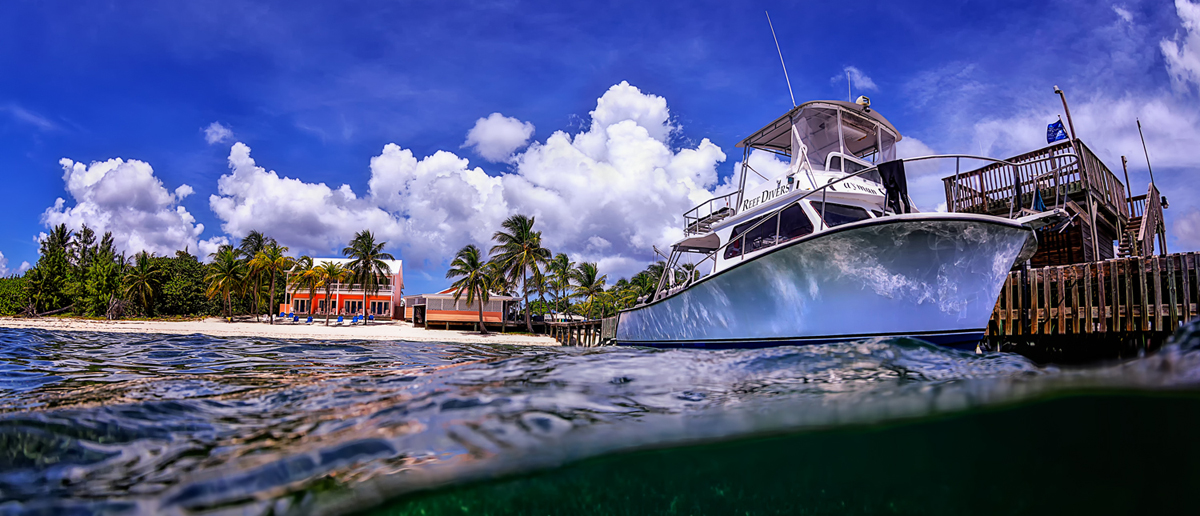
[{"x": 1144, "y": 224}]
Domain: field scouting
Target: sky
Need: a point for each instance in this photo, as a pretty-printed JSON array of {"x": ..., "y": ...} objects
[{"x": 188, "y": 124}]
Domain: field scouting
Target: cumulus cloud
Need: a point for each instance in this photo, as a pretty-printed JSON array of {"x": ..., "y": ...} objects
[
  {"x": 497, "y": 137},
  {"x": 858, "y": 79},
  {"x": 1182, "y": 52},
  {"x": 216, "y": 133},
  {"x": 605, "y": 194},
  {"x": 6, "y": 272},
  {"x": 126, "y": 198}
]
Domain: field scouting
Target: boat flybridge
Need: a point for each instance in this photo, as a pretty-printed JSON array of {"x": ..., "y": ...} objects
[{"x": 830, "y": 249}]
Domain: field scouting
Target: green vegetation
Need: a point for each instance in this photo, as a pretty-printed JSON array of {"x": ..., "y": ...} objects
[
  {"x": 78, "y": 275},
  {"x": 521, "y": 267}
]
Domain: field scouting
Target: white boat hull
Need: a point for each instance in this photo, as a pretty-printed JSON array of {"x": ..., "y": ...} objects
[{"x": 930, "y": 276}]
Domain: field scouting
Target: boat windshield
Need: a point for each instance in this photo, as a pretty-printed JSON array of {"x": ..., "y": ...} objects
[{"x": 833, "y": 128}]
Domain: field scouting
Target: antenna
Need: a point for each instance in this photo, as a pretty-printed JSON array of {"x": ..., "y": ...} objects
[
  {"x": 1139, "y": 122},
  {"x": 785, "y": 74}
]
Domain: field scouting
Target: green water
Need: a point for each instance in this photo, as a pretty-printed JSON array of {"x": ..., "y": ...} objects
[{"x": 1086, "y": 453}]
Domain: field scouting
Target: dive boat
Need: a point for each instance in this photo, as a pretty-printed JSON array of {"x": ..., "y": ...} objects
[{"x": 830, "y": 250}]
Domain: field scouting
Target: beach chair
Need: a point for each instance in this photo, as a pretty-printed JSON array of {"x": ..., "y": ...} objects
[
  {"x": 340, "y": 319},
  {"x": 309, "y": 321},
  {"x": 371, "y": 317},
  {"x": 295, "y": 318}
]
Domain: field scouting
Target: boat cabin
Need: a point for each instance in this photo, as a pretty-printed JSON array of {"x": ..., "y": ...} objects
[{"x": 822, "y": 142}]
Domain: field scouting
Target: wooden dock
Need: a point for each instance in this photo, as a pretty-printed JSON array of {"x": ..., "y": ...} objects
[
  {"x": 593, "y": 332},
  {"x": 1139, "y": 295}
]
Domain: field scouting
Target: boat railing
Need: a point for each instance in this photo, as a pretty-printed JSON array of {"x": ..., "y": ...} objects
[
  {"x": 773, "y": 216},
  {"x": 700, "y": 219}
]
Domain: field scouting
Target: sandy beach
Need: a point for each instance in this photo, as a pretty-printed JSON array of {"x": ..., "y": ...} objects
[{"x": 280, "y": 330}]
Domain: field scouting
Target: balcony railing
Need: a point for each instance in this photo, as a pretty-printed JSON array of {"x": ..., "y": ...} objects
[{"x": 1049, "y": 170}]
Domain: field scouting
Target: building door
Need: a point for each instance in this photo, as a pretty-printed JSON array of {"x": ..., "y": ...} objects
[
  {"x": 379, "y": 308},
  {"x": 353, "y": 307}
]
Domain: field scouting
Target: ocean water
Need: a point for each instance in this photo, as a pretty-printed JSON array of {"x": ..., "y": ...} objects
[{"x": 95, "y": 423}]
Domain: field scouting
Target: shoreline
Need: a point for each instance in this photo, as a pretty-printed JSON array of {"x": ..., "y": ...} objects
[{"x": 217, "y": 327}]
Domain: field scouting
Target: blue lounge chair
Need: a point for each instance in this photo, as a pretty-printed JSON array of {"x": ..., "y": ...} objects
[
  {"x": 340, "y": 319},
  {"x": 309, "y": 321},
  {"x": 371, "y": 317},
  {"x": 295, "y": 318},
  {"x": 282, "y": 315}
]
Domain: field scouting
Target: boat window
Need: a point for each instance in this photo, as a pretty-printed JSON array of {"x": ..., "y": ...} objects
[
  {"x": 791, "y": 223},
  {"x": 835, "y": 163},
  {"x": 838, "y": 214}
]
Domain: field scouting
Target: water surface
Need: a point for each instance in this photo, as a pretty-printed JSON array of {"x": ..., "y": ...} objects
[{"x": 116, "y": 423}]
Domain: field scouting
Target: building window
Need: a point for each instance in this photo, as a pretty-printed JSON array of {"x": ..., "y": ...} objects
[
  {"x": 320, "y": 306},
  {"x": 300, "y": 306},
  {"x": 353, "y": 307}
]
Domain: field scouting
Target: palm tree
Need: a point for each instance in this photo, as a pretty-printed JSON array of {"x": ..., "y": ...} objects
[
  {"x": 327, "y": 274},
  {"x": 303, "y": 276},
  {"x": 560, "y": 280},
  {"x": 588, "y": 284},
  {"x": 368, "y": 268},
  {"x": 519, "y": 253},
  {"x": 271, "y": 260},
  {"x": 142, "y": 279},
  {"x": 59, "y": 238},
  {"x": 250, "y": 246},
  {"x": 226, "y": 275},
  {"x": 474, "y": 279}
]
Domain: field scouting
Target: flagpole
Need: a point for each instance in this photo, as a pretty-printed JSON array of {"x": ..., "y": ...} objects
[{"x": 1063, "y": 96}]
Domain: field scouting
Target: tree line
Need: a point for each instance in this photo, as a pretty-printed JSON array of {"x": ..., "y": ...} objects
[
  {"x": 79, "y": 275},
  {"x": 82, "y": 275},
  {"x": 519, "y": 266}
]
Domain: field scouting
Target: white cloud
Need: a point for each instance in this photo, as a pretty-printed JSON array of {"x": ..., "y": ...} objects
[
  {"x": 304, "y": 216},
  {"x": 606, "y": 194},
  {"x": 497, "y": 137},
  {"x": 126, "y": 198},
  {"x": 1123, "y": 13},
  {"x": 1182, "y": 53},
  {"x": 217, "y": 133},
  {"x": 1186, "y": 229},
  {"x": 6, "y": 272},
  {"x": 29, "y": 117},
  {"x": 858, "y": 79}
]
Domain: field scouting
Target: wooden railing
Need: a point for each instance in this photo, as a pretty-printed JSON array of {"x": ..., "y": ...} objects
[
  {"x": 1152, "y": 219},
  {"x": 1139, "y": 294},
  {"x": 991, "y": 189},
  {"x": 1137, "y": 205}
]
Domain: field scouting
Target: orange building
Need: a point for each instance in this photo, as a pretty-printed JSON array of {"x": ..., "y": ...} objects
[
  {"x": 347, "y": 299},
  {"x": 441, "y": 310}
]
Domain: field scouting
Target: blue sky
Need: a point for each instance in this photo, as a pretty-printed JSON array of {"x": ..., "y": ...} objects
[{"x": 381, "y": 96}]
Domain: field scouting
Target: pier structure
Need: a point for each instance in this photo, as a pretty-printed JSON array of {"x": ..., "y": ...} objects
[
  {"x": 1102, "y": 275},
  {"x": 1101, "y": 208},
  {"x": 589, "y": 333}
]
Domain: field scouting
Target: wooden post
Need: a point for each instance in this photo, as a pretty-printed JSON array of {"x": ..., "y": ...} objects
[
  {"x": 1047, "y": 282},
  {"x": 1158, "y": 298},
  {"x": 1101, "y": 299},
  {"x": 1141, "y": 261},
  {"x": 1185, "y": 268},
  {"x": 1062, "y": 301},
  {"x": 1075, "y": 322},
  {"x": 1173, "y": 310},
  {"x": 1130, "y": 320},
  {"x": 1088, "y": 327}
]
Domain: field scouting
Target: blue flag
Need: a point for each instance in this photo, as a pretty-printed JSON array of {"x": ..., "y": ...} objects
[{"x": 1055, "y": 132}]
